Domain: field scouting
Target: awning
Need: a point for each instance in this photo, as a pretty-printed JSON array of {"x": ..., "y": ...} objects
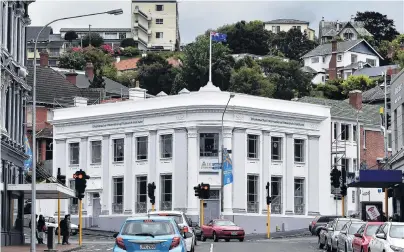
[
  {"x": 44, "y": 191},
  {"x": 376, "y": 179}
]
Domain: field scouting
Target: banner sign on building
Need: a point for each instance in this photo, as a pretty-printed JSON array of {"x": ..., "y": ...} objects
[
  {"x": 227, "y": 168},
  {"x": 28, "y": 161}
]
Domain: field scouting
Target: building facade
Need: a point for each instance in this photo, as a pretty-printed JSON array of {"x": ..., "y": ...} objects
[
  {"x": 175, "y": 142},
  {"x": 155, "y": 24},
  {"x": 284, "y": 25},
  {"x": 14, "y": 91}
]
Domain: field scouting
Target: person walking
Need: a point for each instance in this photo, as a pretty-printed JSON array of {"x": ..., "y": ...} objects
[
  {"x": 65, "y": 228},
  {"x": 41, "y": 227}
]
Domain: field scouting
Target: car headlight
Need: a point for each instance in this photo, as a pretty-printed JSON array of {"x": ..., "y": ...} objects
[{"x": 396, "y": 249}]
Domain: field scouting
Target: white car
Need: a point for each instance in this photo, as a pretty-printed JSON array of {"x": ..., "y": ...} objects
[
  {"x": 182, "y": 221},
  {"x": 51, "y": 222},
  {"x": 388, "y": 238}
]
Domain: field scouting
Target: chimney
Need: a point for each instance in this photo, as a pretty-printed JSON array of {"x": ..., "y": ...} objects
[
  {"x": 71, "y": 77},
  {"x": 332, "y": 67},
  {"x": 80, "y": 101},
  {"x": 322, "y": 22},
  {"x": 355, "y": 99},
  {"x": 89, "y": 71},
  {"x": 338, "y": 25},
  {"x": 137, "y": 93},
  {"x": 352, "y": 18},
  {"x": 44, "y": 58}
]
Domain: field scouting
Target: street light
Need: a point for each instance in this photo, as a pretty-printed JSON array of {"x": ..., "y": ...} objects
[
  {"x": 222, "y": 140},
  {"x": 33, "y": 205}
]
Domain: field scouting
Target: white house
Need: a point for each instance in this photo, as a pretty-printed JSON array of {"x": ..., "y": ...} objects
[
  {"x": 175, "y": 141},
  {"x": 339, "y": 59}
]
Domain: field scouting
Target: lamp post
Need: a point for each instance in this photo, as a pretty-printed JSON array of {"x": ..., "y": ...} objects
[
  {"x": 222, "y": 154},
  {"x": 33, "y": 176}
]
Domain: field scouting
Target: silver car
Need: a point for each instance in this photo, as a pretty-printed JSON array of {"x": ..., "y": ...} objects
[
  {"x": 333, "y": 233},
  {"x": 345, "y": 237}
]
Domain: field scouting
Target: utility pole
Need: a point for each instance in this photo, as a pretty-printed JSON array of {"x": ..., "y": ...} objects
[
  {"x": 89, "y": 35},
  {"x": 358, "y": 159},
  {"x": 268, "y": 211},
  {"x": 386, "y": 195}
]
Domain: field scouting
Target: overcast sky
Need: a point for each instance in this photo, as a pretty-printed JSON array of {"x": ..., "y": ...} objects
[{"x": 198, "y": 16}]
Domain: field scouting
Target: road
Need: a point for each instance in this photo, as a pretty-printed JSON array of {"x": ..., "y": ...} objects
[{"x": 304, "y": 244}]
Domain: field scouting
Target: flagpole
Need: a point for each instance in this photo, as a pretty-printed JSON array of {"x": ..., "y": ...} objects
[{"x": 210, "y": 58}]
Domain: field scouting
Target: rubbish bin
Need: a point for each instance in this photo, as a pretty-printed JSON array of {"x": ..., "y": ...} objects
[{"x": 51, "y": 239}]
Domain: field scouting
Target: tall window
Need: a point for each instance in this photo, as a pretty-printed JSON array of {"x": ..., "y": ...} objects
[
  {"x": 208, "y": 144},
  {"x": 354, "y": 57},
  {"x": 354, "y": 164},
  {"x": 276, "y": 148},
  {"x": 252, "y": 147},
  {"x": 395, "y": 127},
  {"x": 142, "y": 143},
  {"x": 74, "y": 153},
  {"x": 299, "y": 196},
  {"x": 141, "y": 194},
  {"x": 166, "y": 146},
  {"x": 166, "y": 192},
  {"x": 49, "y": 149},
  {"x": 252, "y": 194},
  {"x": 119, "y": 150},
  {"x": 117, "y": 201},
  {"x": 159, "y": 7},
  {"x": 95, "y": 152},
  {"x": 345, "y": 164},
  {"x": 344, "y": 131},
  {"x": 335, "y": 130},
  {"x": 276, "y": 194},
  {"x": 74, "y": 202},
  {"x": 299, "y": 150},
  {"x": 354, "y": 133}
]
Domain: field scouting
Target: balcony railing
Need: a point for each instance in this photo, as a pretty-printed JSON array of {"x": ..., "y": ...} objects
[
  {"x": 141, "y": 207},
  {"x": 117, "y": 208},
  {"x": 252, "y": 207},
  {"x": 299, "y": 209},
  {"x": 73, "y": 209},
  {"x": 166, "y": 205}
]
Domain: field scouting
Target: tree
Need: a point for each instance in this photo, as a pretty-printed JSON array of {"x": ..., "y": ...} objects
[
  {"x": 251, "y": 81},
  {"x": 130, "y": 51},
  {"x": 70, "y": 36},
  {"x": 357, "y": 82},
  {"x": 127, "y": 78},
  {"x": 96, "y": 40},
  {"x": 128, "y": 42},
  {"x": 332, "y": 89},
  {"x": 378, "y": 25}
]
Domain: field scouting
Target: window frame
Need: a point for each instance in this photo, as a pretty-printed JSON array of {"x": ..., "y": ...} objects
[
  {"x": 159, "y": 21},
  {"x": 71, "y": 160},
  {"x": 302, "y": 183},
  {"x": 301, "y": 159},
  {"x": 315, "y": 60},
  {"x": 92, "y": 152},
  {"x": 163, "y": 193},
  {"x": 202, "y": 142},
  {"x": 276, "y": 140},
  {"x": 116, "y": 157},
  {"x": 159, "y": 35},
  {"x": 274, "y": 204},
  {"x": 163, "y": 146},
  {"x": 253, "y": 206},
  {"x": 346, "y": 130},
  {"x": 255, "y": 141},
  {"x": 159, "y": 5},
  {"x": 339, "y": 57},
  {"x": 116, "y": 196},
  {"x": 140, "y": 140},
  {"x": 139, "y": 180}
]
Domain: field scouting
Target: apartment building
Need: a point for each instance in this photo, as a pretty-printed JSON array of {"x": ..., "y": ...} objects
[{"x": 285, "y": 25}]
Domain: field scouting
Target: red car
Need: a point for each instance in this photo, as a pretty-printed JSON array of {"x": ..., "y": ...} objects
[
  {"x": 364, "y": 235},
  {"x": 222, "y": 229}
]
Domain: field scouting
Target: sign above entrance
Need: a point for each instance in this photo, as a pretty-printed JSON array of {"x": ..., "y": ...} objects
[
  {"x": 118, "y": 124},
  {"x": 277, "y": 122},
  {"x": 209, "y": 165}
]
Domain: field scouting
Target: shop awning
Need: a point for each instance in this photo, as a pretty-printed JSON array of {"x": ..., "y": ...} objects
[
  {"x": 376, "y": 179},
  {"x": 44, "y": 191}
]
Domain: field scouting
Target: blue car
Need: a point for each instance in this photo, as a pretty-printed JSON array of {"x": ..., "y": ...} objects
[{"x": 150, "y": 233}]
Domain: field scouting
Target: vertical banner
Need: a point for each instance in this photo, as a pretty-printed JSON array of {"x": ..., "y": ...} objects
[
  {"x": 227, "y": 168},
  {"x": 28, "y": 151}
]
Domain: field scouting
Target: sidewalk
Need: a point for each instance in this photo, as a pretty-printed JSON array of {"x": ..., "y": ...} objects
[{"x": 27, "y": 248}]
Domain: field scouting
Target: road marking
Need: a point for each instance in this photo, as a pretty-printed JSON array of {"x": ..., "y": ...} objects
[{"x": 211, "y": 247}]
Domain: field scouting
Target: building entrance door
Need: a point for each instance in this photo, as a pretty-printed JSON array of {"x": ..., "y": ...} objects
[
  {"x": 96, "y": 211},
  {"x": 212, "y": 206}
]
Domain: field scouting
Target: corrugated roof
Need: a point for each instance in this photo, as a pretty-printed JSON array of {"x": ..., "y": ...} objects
[
  {"x": 286, "y": 21},
  {"x": 308, "y": 69},
  {"x": 374, "y": 71},
  {"x": 329, "y": 28},
  {"x": 32, "y": 32},
  {"x": 326, "y": 49}
]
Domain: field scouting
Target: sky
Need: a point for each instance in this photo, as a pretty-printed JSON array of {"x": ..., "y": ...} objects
[{"x": 198, "y": 16}]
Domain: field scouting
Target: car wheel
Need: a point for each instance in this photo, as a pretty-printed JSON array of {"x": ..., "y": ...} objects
[
  {"x": 192, "y": 249},
  {"x": 199, "y": 237},
  {"x": 215, "y": 239},
  {"x": 241, "y": 239},
  {"x": 320, "y": 245},
  {"x": 346, "y": 247},
  {"x": 203, "y": 238},
  {"x": 195, "y": 241},
  {"x": 227, "y": 240}
]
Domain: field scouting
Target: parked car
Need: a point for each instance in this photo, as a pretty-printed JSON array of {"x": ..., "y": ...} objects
[
  {"x": 334, "y": 231},
  {"x": 51, "y": 222},
  {"x": 364, "y": 235},
  {"x": 345, "y": 237},
  {"x": 183, "y": 221},
  {"x": 388, "y": 238},
  {"x": 322, "y": 236},
  {"x": 222, "y": 229},
  {"x": 197, "y": 230},
  {"x": 320, "y": 221},
  {"x": 151, "y": 233}
]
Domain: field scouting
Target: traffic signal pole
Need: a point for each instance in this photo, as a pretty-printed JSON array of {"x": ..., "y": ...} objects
[
  {"x": 58, "y": 218},
  {"x": 268, "y": 222},
  {"x": 80, "y": 223},
  {"x": 343, "y": 205},
  {"x": 202, "y": 213}
]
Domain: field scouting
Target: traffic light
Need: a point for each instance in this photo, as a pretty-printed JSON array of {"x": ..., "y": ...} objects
[
  {"x": 268, "y": 196},
  {"x": 269, "y": 200},
  {"x": 335, "y": 177},
  {"x": 205, "y": 191},
  {"x": 198, "y": 191},
  {"x": 388, "y": 120},
  {"x": 80, "y": 181},
  {"x": 150, "y": 192},
  {"x": 61, "y": 179},
  {"x": 343, "y": 190}
]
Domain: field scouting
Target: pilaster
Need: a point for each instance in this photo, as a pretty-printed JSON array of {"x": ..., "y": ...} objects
[
  {"x": 239, "y": 154},
  {"x": 10, "y": 95},
  {"x": 18, "y": 115},
  {"x": 227, "y": 189},
  {"x": 180, "y": 174},
  {"x": 266, "y": 165},
  {"x": 128, "y": 185},
  {"x": 153, "y": 159},
  {"x": 193, "y": 171},
  {"x": 106, "y": 181},
  {"x": 289, "y": 179},
  {"x": 313, "y": 176}
]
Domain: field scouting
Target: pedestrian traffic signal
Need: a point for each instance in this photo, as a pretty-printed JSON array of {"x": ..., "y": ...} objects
[
  {"x": 205, "y": 191},
  {"x": 388, "y": 121},
  {"x": 269, "y": 200},
  {"x": 80, "y": 181},
  {"x": 150, "y": 192},
  {"x": 335, "y": 177},
  {"x": 343, "y": 190},
  {"x": 198, "y": 191}
]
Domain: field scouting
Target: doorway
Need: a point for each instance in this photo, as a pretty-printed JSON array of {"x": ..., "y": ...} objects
[
  {"x": 212, "y": 206},
  {"x": 96, "y": 210}
]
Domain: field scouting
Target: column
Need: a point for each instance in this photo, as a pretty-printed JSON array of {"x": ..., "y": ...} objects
[
  {"x": 227, "y": 189},
  {"x": 313, "y": 177},
  {"x": 6, "y": 207},
  {"x": 128, "y": 181},
  {"x": 83, "y": 164},
  {"x": 266, "y": 166},
  {"x": 152, "y": 176},
  {"x": 60, "y": 161},
  {"x": 180, "y": 169},
  {"x": 289, "y": 179},
  {"x": 18, "y": 115},
  {"x": 22, "y": 116},
  {"x": 15, "y": 112},
  {"x": 15, "y": 31},
  {"x": 11, "y": 32},
  {"x": 3, "y": 102},
  {"x": 193, "y": 164},
  {"x": 239, "y": 156},
  {"x": 5, "y": 25},
  {"x": 9, "y": 115},
  {"x": 106, "y": 180}
]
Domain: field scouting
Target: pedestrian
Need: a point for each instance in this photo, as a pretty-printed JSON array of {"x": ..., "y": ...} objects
[
  {"x": 41, "y": 227},
  {"x": 65, "y": 228}
]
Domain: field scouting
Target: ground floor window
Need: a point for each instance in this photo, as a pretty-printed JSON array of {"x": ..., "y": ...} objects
[
  {"x": 73, "y": 206},
  {"x": 299, "y": 196},
  {"x": 117, "y": 203},
  {"x": 252, "y": 194},
  {"x": 276, "y": 194},
  {"x": 166, "y": 192},
  {"x": 141, "y": 194}
]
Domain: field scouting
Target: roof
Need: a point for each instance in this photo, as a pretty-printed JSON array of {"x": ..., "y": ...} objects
[
  {"x": 32, "y": 32},
  {"x": 146, "y": 217},
  {"x": 357, "y": 65},
  {"x": 374, "y": 71},
  {"x": 286, "y": 21},
  {"x": 308, "y": 69},
  {"x": 127, "y": 64},
  {"x": 96, "y": 29},
  {"x": 374, "y": 95},
  {"x": 167, "y": 212},
  {"x": 343, "y": 46},
  {"x": 329, "y": 28},
  {"x": 343, "y": 110}
]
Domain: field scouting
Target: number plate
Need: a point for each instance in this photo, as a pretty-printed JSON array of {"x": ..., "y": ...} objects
[
  {"x": 147, "y": 246},
  {"x": 233, "y": 233}
]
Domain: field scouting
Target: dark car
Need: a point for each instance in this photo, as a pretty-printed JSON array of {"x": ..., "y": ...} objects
[
  {"x": 321, "y": 221},
  {"x": 197, "y": 230}
]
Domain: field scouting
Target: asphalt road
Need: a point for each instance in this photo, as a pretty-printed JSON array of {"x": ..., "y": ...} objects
[{"x": 304, "y": 244}]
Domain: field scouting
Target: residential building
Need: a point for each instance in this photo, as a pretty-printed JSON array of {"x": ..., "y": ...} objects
[
  {"x": 351, "y": 30},
  {"x": 174, "y": 141},
  {"x": 155, "y": 24},
  {"x": 131, "y": 64},
  {"x": 285, "y": 25},
  {"x": 240, "y": 56},
  {"x": 339, "y": 59},
  {"x": 13, "y": 97},
  {"x": 344, "y": 145}
]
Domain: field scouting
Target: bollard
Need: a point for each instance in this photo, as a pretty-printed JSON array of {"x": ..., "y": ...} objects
[{"x": 51, "y": 239}]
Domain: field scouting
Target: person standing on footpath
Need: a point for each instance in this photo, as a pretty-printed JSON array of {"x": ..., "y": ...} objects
[
  {"x": 65, "y": 226},
  {"x": 41, "y": 227}
]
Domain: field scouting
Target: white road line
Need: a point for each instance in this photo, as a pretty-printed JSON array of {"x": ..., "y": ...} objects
[{"x": 211, "y": 247}]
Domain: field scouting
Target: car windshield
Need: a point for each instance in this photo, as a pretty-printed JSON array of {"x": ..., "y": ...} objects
[
  {"x": 176, "y": 217},
  {"x": 224, "y": 223},
  {"x": 154, "y": 228},
  {"x": 397, "y": 231},
  {"x": 340, "y": 225},
  {"x": 354, "y": 228},
  {"x": 371, "y": 230}
]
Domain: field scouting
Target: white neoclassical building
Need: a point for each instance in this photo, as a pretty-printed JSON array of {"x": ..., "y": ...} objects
[{"x": 175, "y": 141}]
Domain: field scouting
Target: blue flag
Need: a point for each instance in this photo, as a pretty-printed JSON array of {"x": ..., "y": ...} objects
[
  {"x": 227, "y": 168},
  {"x": 218, "y": 37},
  {"x": 28, "y": 161}
]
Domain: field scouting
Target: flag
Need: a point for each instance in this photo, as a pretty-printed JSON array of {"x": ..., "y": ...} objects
[
  {"x": 218, "y": 37},
  {"x": 227, "y": 168},
  {"x": 28, "y": 161}
]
